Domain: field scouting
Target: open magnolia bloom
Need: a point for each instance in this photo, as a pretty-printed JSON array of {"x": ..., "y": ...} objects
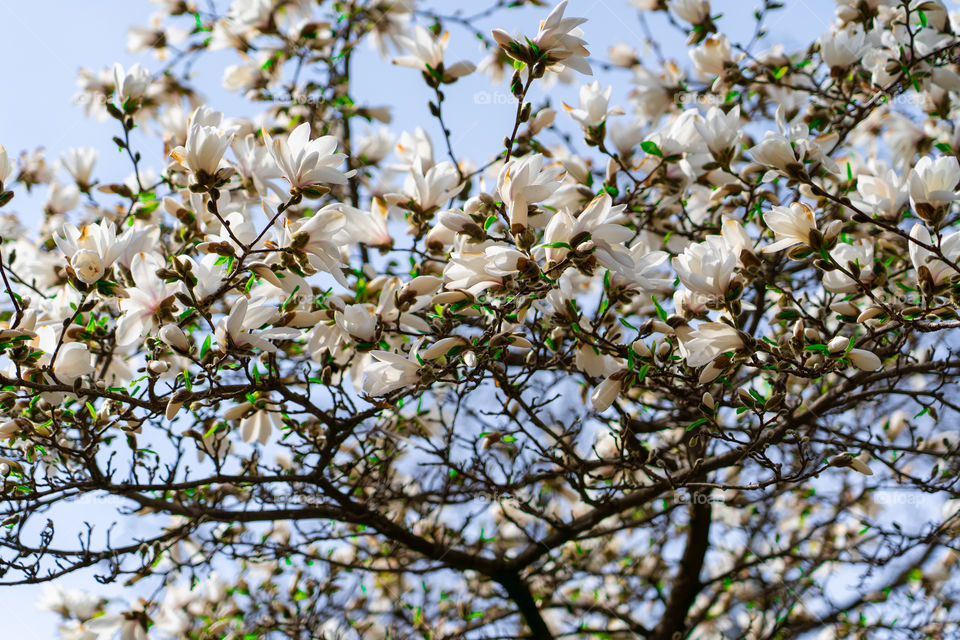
[
  {"x": 474, "y": 370},
  {"x": 924, "y": 254},
  {"x": 523, "y": 182},
  {"x": 93, "y": 249},
  {"x": 241, "y": 330},
  {"x": 307, "y": 163},
  {"x": 391, "y": 371},
  {"x": 558, "y": 43},
  {"x": 426, "y": 54},
  {"x": 204, "y": 150},
  {"x": 593, "y": 109}
]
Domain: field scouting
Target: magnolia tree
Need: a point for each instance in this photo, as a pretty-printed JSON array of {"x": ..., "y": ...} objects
[{"x": 682, "y": 369}]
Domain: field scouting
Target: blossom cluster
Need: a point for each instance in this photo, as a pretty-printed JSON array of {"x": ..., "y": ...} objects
[{"x": 718, "y": 273}]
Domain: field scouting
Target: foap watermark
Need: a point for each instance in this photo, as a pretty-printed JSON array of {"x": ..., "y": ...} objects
[
  {"x": 92, "y": 97},
  {"x": 494, "y": 98},
  {"x": 294, "y": 99},
  {"x": 687, "y": 495},
  {"x": 899, "y": 498}
]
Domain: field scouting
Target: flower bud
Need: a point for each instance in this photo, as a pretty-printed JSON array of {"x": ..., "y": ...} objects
[
  {"x": 157, "y": 367},
  {"x": 174, "y": 336},
  {"x": 838, "y": 344},
  {"x": 864, "y": 360}
]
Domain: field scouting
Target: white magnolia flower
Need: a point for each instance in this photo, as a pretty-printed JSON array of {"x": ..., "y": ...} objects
[
  {"x": 68, "y": 602},
  {"x": 843, "y": 48},
  {"x": 852, "y": 462},
  {"x": 426, "y": 54},
  {"x": 647, "y": 274},
  {"x": 707, "y": 268},
  {"x": 709, "y": 340},
  {"x": 712, "y": 57},
  {"x": 860, "y": 254},
  {"x": 559, "y": 40},
  {"x": 592, "y": 363},
  {"x": 174, "y": 336},
  {"x": 923, "y": 259},
  {"x": 145, "y": 299},
  {"x": 249, "y": 15},
  {"x": 307, "y": 163},
  {"x": 241, "y": 328},
  {"x": 693, "y": 11},
  {"x": 787, "y": 150},
  {"x": 94, "y": 248},
  {"x": 864, "y": 360},
  {"x": 627, "y": 136},
  {"x": 359, "y": 321},
  {"x": 884, "y": 193},
  {"x": 210, "y": 272},
  {"x": 504, "y": 260},
  {"x": 720, "y": 131},
  {"x": 467, "y": 269},
  {"x": 374, "y": 146},
  {"x": 391, "y": 371},
  {"x": 258, "y": 426},
  {"x": 61, "y": 198},
  {"x": 320, "y": 236},
  {"x": 132, "y": 83},
  {"x": 106, "y": 627},
  {"x": 203, "y": 151},
  {"x": 79, "y": 164},
  {"x": 605, "y": 393},
  {"x": 428, "y": 189},
  {"x": 73, "y": 360},
  {"x": 597, "y": 228},
  {"x": 412, "y": 147},
  {"x": 791, "y": 225},
  {"x": 593, "y": 105},
  {"x": 7, "y": 165},
  {"x": 369, "y": 227},
  {"x": 525, "y": 181},
  {"x": 933, "y": 185}
]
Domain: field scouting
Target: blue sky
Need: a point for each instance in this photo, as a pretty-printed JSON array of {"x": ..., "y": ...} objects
[{"x": 44, "y": 43}]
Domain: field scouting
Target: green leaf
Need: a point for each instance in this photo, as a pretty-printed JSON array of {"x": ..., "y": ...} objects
[
  {"x": 649, "y": 146},
  {"x": 205, "y": 347},
  {"x": 660, "y": 312}
]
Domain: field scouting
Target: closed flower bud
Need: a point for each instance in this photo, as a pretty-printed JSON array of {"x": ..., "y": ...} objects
[
  {"x": 707, "y": 401},
  {"x": 238, "y": 411},
  {"x": 172, "y": 409},
  {"x": 174, "y": 336},
  {"x": 641, "y": 349},
  {"x": 838, "y": 344},
  {"x": 606, "y": 392},
  {"x": 157, "y": 367},
  {"x": 864, "y": 360},
  {"x": 869, "y": 313},
  {"x": 845, "y": 308}
]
